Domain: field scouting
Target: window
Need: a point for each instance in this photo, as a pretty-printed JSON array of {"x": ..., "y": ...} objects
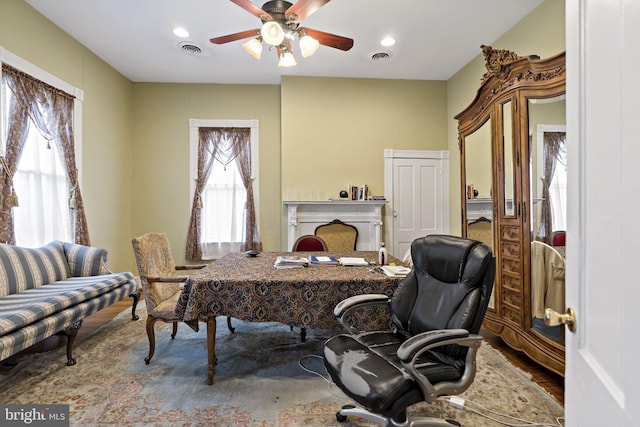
[
  {"x": 223, "y": 203},
  {"x": 41, "y": 182}
]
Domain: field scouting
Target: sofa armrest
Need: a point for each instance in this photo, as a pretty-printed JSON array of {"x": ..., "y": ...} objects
[{"x": 86, "y": 260}]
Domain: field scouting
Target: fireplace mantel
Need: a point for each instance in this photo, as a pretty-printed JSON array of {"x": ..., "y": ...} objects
[{"x": 305, "y": 215}]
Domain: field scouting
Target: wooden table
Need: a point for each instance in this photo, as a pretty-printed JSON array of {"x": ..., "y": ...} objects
[{"x": 252, "y": 289}]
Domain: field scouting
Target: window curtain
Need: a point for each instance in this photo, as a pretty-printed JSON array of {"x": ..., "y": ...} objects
[
  {"x": 51, "y": 110},
  {"x": 223, "y": 145},
  {"x": 554, "y": 148}
]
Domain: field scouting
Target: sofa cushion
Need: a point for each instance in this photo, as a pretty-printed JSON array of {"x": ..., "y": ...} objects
[
  {"x": 19, "y": 310},
  {"x": 26, "y": 336},
  {"x": 28, "y": 268},
  {"x": 85, "y": 260}
]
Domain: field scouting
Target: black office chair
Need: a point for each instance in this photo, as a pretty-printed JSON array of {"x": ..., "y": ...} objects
[{"x": 436, "y": 311}]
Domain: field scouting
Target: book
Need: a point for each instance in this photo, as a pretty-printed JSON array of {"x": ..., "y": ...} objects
[
  {"x": 353, "y": 261},
  {"x": 323, "y": 260},
  {"x": 290, "y": 261},
  {"x": 395, "y": 270}
]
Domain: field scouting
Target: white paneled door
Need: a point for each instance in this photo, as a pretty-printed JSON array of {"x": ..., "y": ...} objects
[
  {"x": 417, "y": 188},
  {"x": 602, "y": 371}
]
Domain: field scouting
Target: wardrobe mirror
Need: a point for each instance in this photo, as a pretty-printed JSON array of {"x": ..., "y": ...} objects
[
  {"x": 479, "y": 179},
  {"x": 548, "y": 168},
  {"x": 507, "y": 161}
]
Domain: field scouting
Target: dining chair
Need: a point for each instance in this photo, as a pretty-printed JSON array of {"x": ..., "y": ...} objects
[
  {"x": 309, "y": 243},
  {"x": 160, "y": 283},
  {"x": 481, "y": 230},
  {"x": 338, "y": 235}
]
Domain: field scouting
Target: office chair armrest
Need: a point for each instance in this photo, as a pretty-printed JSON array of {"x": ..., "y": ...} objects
[
  {"x": 428, "y": 340},
  {"x": 345, "y": 306},
  {"x": 410, "y": 351},
  {"x": 190, "y": 267}
]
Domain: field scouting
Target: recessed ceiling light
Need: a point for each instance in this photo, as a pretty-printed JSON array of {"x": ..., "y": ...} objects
[
  {"x": 388, "y": 41},
  {"x": 180, "y": 32}
]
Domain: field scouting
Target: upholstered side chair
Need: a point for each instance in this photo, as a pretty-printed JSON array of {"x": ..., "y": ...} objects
[
  {"x": 161, "y": 286},
  {"x": 436, "y": 313},
  {"x": 338, "y": 235},
  {"x": 309, "y": 243}
]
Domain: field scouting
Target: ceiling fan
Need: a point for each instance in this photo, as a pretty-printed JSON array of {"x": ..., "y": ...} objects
[{"x": 280, "y": 26}]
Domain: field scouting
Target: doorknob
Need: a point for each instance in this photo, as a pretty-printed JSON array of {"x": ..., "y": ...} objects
[{"x": 553, "y": 318}]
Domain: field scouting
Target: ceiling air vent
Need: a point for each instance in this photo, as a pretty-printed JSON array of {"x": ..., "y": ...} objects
[
  {"x": 190, "y": 48},
  {"x": 380, "y": 56}
]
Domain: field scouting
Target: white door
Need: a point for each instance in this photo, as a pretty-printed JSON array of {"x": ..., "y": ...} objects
[
  {"x": 602, "y": 384},
  {"x": 417, "y": 187}
]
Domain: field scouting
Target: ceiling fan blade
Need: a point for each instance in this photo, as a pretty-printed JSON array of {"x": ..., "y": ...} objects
[
  {"x": 303, "y": 8},
  {"x": 252, "y": 9},
  {"x": 327, "y": 39},
  {"x": 235, "y": 36}
]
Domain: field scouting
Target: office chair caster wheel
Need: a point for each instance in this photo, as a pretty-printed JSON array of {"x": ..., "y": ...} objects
[
  {"x": 342, "y": 418},
  {"x": 454, "y": 423}
]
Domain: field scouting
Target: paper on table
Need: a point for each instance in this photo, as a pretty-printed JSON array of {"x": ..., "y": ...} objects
[
  {"x": 395, "y": 270},
  {"x": 353, "y": 261}
]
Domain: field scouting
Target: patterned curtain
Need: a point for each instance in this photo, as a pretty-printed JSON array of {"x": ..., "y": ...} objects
[
  {"x": 51, "y": 110},
  {"x": 554, "y": 144},
  {"x": 223, "y": 145}
]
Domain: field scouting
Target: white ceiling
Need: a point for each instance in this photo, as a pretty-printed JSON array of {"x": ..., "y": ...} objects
[{"x": 435, "y": 38}]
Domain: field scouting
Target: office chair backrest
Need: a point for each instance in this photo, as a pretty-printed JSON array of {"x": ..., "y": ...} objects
[{"x": 448, "y": 288}]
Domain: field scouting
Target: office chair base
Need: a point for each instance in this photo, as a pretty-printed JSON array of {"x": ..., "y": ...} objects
[{"x": 342, "y": 414}]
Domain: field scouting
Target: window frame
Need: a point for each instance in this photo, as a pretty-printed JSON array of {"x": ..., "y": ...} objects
[{"x": 196, "y": 124}]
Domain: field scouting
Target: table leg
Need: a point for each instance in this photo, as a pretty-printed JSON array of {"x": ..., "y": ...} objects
[{"x": 211, "y": 349}]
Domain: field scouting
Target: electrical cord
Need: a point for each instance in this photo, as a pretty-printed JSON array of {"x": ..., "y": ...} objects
[
  {"x": 331, "y": 386},
  {"x": 462, "y": 404},
  {"x": 454, "y": 401}
]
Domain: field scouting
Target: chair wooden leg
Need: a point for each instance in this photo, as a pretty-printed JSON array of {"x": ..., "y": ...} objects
[
  {"x": 152, "y": 337},
  {"x": 175, "y": 330},
  {"x": 231, "y": 328}
]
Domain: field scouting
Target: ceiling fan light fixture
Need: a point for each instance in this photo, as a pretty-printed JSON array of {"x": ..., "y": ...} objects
[
  {"x": 308, "y": 46},
  {"x": 272, "y": 33},
  {"x": 253, "y": 47},
  {"x": 287, "y": 59}
]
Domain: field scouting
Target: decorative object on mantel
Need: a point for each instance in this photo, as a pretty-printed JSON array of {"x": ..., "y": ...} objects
[{"x": 280, "y": 25}]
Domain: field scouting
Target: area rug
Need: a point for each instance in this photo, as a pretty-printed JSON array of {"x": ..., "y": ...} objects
[{"x": 264, "y": 377}]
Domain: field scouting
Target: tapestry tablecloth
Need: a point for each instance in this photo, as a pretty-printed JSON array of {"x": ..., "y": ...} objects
[{"x": 252, "y": 289}]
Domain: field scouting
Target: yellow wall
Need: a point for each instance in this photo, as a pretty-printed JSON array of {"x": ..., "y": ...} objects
[
  {"x": 106, "y": 165},
  {"x": 541, "y": 33},
  {"x": 161, "y": 152},
  {"x": 135, "y": 135}
]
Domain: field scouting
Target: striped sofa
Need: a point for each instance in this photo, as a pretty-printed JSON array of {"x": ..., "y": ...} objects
[{"x": 49, "y": 290}]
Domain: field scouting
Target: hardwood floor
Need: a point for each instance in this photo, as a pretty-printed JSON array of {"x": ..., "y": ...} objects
[{"x": 550, "y": 381}]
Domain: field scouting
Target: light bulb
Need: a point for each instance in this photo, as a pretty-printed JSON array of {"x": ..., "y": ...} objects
[
  {"x": 253, "y": 47},
  {"x": 287, "y": 60},
  {"x": 308, "y": 46},
  {"x": 272, "y": 33}
]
